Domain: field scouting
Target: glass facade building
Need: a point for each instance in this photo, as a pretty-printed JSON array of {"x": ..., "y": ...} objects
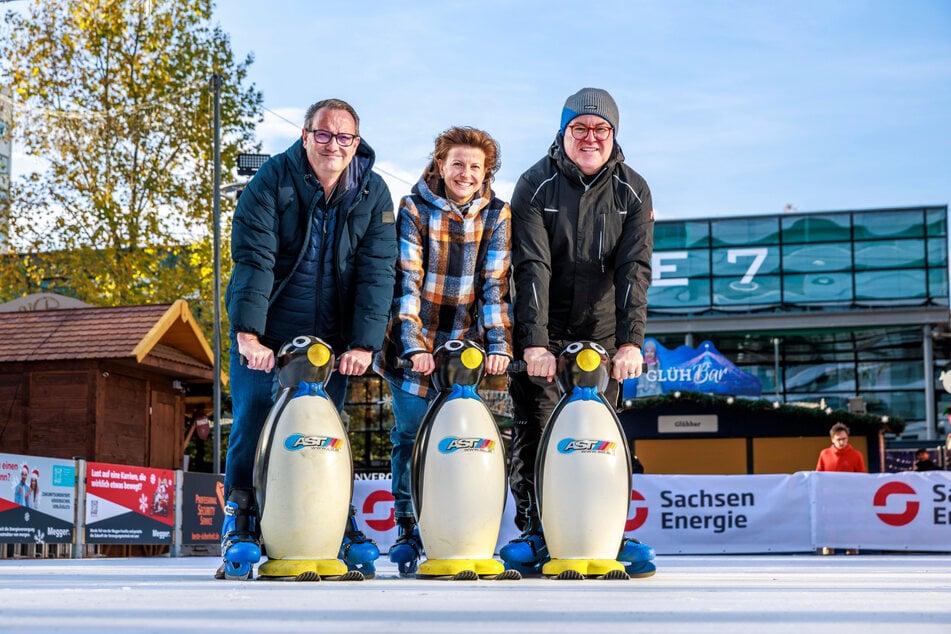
[{"x": 820, "y": 306}]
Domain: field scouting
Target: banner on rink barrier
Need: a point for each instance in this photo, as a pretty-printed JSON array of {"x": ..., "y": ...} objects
[
  {"x": 676, "y": 514},
  {"x": 129, "y": 505},
  {"x": 203, "y": 508},
  {"x": 37, "y": 500},
  {"x": 732, "y": 514},
  {"x": 892, "y": 511},
  {"x": 680, "y": 514}
]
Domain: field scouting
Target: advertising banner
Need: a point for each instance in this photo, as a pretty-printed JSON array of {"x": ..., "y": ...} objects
[
  {"x": 129, "y": 505},
  {"x": 203, "y": 506},
  {"x": 37, "y": 500},
  {"x": 711, "y": 514},
  {"x": 888, "y": 511},
  {"x": 701, "y": 369}
]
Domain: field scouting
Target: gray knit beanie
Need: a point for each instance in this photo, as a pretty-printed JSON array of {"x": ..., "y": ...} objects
[{"x": 590, "y": 101}]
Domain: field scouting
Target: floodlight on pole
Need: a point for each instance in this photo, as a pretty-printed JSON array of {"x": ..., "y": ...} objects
[{"x": 249, "y": 164}]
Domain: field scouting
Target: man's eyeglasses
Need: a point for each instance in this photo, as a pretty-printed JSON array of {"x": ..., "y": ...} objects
[
  {"x": 343, "y": 139},
  {"x": 601, "y": 132}
]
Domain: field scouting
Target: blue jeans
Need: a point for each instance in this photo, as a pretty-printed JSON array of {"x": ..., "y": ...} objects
[
  {"x": 409, "y": 411},
  {"x": 252, "y": 394}
]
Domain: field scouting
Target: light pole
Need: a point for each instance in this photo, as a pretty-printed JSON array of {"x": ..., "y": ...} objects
[{"x": 216, "y": 219}]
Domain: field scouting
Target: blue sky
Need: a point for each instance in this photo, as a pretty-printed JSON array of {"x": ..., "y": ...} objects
[{"x": 727, "y": 107}]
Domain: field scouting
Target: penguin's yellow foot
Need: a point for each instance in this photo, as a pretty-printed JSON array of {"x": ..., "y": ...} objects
[
  {"x": 306, "y": 570},
  {"x": 575, "y": 569},
  {"x": 460, "y": 569}
]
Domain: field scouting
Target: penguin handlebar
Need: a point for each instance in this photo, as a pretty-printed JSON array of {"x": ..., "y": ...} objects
[
  {"x": 244, "y": 361},
  {"x": 403, "y": 364},
  {"x": 516, "y": 366},
  {"x": 521, "y": 366},
  {"x": 407, "y": 364}
]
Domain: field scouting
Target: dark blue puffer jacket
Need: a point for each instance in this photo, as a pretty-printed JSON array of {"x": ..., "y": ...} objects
[{"x": 271, "y": 231}]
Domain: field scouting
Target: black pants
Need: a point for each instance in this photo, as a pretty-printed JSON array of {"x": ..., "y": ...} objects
[{"x": 533, "y": 401}]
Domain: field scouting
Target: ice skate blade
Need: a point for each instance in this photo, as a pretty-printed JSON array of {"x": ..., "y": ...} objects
[
  {"x": 305, "y": 570},
  {"x": 460, "y": 569},
  {"x": 572, "y": 569},
  {"x": 641, "y": 570},
  {"x": 232, "y": 571}
]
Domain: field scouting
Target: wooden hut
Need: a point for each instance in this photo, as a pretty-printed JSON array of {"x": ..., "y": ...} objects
[{"x": 105, "y": 384}]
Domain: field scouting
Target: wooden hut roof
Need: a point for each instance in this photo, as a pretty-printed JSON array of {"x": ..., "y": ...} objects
[{"x": 144, "y": 334}]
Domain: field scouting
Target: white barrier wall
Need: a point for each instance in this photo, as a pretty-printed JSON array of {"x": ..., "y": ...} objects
[
  {"x": 676, "y": 514},
  {"x": 713, "y": 514},
  {"x": 899, "y": 511}
]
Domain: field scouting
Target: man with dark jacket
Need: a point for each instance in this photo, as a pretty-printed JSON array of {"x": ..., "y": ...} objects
[
  {"x": 314, "y": 248},
  {"x": 582, "y": 239}
]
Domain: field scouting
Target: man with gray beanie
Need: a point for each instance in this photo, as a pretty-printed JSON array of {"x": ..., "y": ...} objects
[{"x": 582, "y": 238}]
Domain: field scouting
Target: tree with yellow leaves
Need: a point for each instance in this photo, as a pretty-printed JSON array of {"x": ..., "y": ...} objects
[{"x": 114, "y": 97}]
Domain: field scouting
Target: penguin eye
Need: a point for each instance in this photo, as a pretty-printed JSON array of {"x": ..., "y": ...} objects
[
  {"x": 598, "y": 348},
  {"x": 454, "y": 344},
  {"x": 574, "y": 347}
]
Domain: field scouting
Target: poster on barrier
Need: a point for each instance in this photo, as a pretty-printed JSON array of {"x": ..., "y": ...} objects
[
  {"x": 203, "y": 508},
  {"x": 721, "y": 514},
  {"x": 37, "y": 500},
  {"x": 883, "y": 511},
  {"x": 129, "y": 505}
]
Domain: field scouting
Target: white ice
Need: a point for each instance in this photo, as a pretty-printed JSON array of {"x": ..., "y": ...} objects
[{"x": 793, "y": 593}]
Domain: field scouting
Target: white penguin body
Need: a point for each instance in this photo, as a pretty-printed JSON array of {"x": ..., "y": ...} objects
[
  {"x": 583, "y": 471},
  {"x": 307, "y": 482},
  {"x": 457, "y": 472},
  {"x": 461, "y": 473},
  {"x": 585, "y": 483},
  {"x": 303, "y": 470}
]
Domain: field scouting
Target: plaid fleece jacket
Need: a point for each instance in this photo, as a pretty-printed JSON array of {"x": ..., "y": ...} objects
[{"x": 452, "y": 279}]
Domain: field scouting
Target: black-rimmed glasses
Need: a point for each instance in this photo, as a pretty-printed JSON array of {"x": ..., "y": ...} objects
[
  {"x": 323, "y": 137},
  {"x": 601, "y": 132}
]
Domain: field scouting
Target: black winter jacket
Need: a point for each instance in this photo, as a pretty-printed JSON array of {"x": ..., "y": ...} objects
[
  {"x": 271, "y": 230},
  {"x": 581, "y": 253}
]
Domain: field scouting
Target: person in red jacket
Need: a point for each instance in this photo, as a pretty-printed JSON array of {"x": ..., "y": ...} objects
[{"x": 841, "y": 456}]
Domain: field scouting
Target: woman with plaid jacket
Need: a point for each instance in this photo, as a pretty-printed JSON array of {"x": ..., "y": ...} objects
[{"x": 452, "y": 282}]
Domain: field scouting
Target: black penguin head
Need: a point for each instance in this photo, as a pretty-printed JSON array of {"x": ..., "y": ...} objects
[
  {"x": 585, "y": 364},
  {"x": 458, "y": 362},
  {"x": 304, "y": 358}
]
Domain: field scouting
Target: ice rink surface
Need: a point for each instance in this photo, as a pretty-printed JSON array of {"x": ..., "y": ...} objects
[{"x": 757, "y": 593}]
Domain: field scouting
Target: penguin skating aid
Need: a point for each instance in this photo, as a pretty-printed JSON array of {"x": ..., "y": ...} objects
[
  {"x": 583, "y": 472},
  {"x": 458, "y": 481},
  {"x": 303, "y": 471}
]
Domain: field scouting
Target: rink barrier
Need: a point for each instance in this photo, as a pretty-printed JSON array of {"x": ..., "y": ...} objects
[{"x": 676, "y": 514}]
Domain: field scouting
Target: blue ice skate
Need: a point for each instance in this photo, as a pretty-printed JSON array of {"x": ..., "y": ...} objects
[
  {"x": 637, "y": 557},
  {"x": 357, "y": 550},
  {"x": 240, "y": 547},
  {"x": 407, "y": 549},
  {"x": 527, "y": 553}
]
